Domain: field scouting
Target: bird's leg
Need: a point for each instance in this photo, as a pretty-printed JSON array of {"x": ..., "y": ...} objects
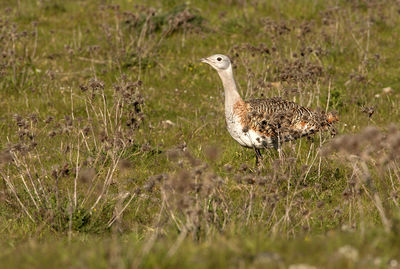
[
  {"x": 278, "y": 147},
  {"x": 258, "y": 156},
  {"x": 281, "y": 153}
]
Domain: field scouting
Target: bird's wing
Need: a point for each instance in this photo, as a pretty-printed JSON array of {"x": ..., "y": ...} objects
[{"x": 285, "y": 119}]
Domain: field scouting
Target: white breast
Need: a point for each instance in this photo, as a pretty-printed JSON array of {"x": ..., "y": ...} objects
[{"x": 250, "y": 139}]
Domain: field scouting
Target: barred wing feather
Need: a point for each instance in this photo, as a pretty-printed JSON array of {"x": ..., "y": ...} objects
[{"x": 284, "y": 119}]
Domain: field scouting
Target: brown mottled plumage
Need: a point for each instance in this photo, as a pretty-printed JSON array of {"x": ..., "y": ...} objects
[{"x": 281, "y": 120}]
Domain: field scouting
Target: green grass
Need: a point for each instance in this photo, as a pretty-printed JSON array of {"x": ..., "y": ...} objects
[{"x": 99, "y": 170}]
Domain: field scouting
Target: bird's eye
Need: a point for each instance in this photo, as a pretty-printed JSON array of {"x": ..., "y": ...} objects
[{"x": 219, "y": 59}]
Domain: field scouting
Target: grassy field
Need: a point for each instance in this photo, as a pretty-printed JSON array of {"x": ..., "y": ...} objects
[{"x": 114, "y": 151}]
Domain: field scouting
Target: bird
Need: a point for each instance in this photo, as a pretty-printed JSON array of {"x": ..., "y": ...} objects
[{"x": 267, "y": 122}]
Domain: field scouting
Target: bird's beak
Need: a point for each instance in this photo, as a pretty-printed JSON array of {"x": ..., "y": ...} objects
[{"x": 204, "y": 60}]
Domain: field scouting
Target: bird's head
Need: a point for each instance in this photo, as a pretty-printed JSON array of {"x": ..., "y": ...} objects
[{"x": 218, "y": 61}]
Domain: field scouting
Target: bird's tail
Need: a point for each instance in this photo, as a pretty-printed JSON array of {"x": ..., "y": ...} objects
[{"x": 332, "y": 117}]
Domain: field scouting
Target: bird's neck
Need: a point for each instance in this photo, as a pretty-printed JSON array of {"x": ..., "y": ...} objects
[{"x": 231, "y": 94}]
